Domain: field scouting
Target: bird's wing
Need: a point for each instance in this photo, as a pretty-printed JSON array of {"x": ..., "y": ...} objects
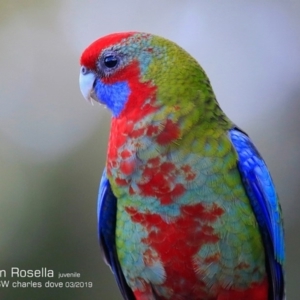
[
  {"x": 264, "y": 200},
  {"x": 107, "y": 209}
]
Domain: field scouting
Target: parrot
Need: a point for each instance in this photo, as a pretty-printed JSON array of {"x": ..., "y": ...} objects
[{"x": 187, "y": 208}]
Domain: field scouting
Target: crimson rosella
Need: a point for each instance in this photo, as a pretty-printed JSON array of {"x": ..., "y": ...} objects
[{"x": 187, "y": 208}]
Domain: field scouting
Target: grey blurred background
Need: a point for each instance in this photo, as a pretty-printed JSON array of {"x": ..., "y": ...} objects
[{"x": 53, "y": 143}]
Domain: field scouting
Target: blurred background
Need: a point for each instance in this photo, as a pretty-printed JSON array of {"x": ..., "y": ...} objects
[{"x": 53, "y": 143}]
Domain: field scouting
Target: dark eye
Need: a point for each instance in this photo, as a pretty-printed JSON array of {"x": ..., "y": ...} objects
[
  {"x": 84, "y": 70},
  {"x": 110, "y": 61}
]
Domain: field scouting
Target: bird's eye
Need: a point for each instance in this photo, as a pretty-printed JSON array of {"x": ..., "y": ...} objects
[
  {"x": 110, "y": 61},
  {"x": 84, "y": 70}
]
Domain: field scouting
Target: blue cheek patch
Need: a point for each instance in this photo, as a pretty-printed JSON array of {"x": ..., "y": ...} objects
[{"x": 114, "y": 96}]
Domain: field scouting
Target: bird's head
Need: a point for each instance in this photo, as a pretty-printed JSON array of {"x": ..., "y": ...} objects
[{"x": 128, "y": 70}]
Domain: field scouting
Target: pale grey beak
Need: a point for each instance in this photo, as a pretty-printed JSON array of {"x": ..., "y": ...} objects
[{"x": 86, "y": 83}]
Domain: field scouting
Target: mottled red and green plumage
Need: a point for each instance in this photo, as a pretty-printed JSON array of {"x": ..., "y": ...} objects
[{"x": 187, "y": 207}]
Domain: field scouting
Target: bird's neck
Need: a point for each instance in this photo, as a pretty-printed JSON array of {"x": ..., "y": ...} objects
[{"x": 155, "y": 131}]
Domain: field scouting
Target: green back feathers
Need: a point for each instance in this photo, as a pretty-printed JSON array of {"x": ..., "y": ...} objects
[{"x": 183, "y": 84}]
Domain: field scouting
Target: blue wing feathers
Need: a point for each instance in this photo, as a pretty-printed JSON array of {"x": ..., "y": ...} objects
[
  {"x": 107, "y": 209},
  {"x": 264, "y": 201}
]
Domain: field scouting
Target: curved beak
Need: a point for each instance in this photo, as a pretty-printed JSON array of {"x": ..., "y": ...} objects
[{"x": 86, "y": 83}]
